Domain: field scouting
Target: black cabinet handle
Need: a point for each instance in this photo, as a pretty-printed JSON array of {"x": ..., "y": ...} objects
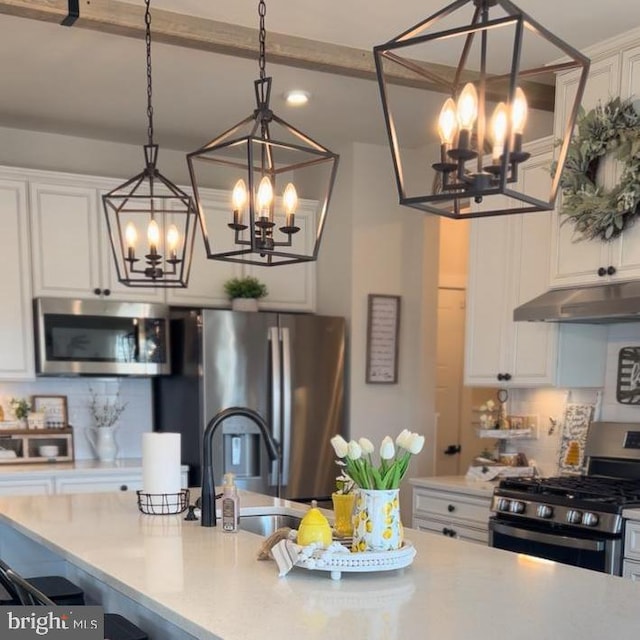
[
  {"x": 500, "y": 377},
  {"x": 449, "y": 532},
  {"x": 504, "y": 376},
  {"x": 97, "y": 291},
  {"x": 123, "y": 487},
  {"x": 602, "y": 272},
  {"x": 451, "y": 508},
  {"x": 107, "y": 292},
  {"x": 611, "y": 270},
  {"x": 507, "y": 376},
  {"x": 452, "y": 449}
]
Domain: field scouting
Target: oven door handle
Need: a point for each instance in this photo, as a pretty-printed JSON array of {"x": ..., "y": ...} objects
[{"x": 549, "y": 538}]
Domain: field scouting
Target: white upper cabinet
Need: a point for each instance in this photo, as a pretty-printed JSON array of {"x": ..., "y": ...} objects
[
  {"x": 70, "y": 247},
  {"x": 508, "y": 266},
  {"x": 290, "y": 287},
  {"x": 16, "y": 335},
  {"x": 580, "y": 262}
]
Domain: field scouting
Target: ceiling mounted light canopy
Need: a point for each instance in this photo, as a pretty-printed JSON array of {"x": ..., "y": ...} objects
[
  {"x": 258, "y": 162},
  {"x": 474, "y": 111},
  {"x": 151, "y": 204}
]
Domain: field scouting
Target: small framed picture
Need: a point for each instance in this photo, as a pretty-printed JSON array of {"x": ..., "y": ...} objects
[
  {"x": 54, "y": 409},
  {"x": 383, "y": 328}
]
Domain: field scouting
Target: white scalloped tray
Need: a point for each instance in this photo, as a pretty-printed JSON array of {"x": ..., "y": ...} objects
[{"x": 364, "y": 561}]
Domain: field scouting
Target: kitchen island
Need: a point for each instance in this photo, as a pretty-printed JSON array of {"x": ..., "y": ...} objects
[{"x": 203, "y": 583}]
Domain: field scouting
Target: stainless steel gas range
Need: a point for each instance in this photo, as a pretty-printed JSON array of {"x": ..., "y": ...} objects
[{"x": 576, "y": 520}]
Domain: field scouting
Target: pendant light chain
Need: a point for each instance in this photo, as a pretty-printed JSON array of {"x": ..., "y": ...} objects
[
  {"x": 147, "y": 20},
  {"x": 262, "y": 11}
]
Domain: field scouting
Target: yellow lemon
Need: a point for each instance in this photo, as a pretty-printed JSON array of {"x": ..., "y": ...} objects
[
  {"x": 369, "y": 526},
  {"x": 387, "y": 533},
  {"x": 314, "y": 527}
]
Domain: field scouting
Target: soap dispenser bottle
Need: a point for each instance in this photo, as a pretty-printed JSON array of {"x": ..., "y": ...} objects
[{"x": 230, "y": 504}]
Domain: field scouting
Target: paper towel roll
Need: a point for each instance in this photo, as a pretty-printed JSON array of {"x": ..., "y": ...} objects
[{"x": 161, "y": 463}]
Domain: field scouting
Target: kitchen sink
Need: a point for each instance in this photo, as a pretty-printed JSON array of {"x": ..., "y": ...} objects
[{"x": 266, "y": 524}]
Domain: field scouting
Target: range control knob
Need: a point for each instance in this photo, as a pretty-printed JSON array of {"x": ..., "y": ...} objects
[
  {"x": 503, "y": 504},
  {"x": 590, "y": 519},
  {"x": 516, "y": 506},
  {"x": 544, "y": 511},
  {"x": 574, "y": 517}
]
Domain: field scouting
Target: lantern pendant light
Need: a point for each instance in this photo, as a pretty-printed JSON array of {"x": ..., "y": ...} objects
[
  {"x": 258, "y": 162},
  {"x": 479, "y": 158},
  {"x": 151, "y": 203}
]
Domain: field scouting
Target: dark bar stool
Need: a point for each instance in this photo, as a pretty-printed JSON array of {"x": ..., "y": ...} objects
[{"x": 116, "y": 627}]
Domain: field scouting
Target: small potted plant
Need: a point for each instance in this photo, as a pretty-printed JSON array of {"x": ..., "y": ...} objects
[{"x": 244, "y": 293}]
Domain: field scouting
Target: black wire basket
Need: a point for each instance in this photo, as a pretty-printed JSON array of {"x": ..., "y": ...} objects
[{"x": 163, "y": 504}]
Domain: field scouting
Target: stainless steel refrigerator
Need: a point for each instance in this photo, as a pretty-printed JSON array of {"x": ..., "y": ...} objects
[{"x": 287, "y": 367}]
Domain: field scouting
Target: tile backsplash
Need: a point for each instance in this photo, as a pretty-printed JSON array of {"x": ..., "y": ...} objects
[
  {"x": 551, "y": 403},
  {"x": 134, "y": 421}
]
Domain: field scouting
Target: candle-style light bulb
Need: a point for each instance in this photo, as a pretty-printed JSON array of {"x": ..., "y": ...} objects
[
  {"x": 131, "y": 237},
  {"x": 265, "y": 197},
  {"x": 239, "y": 200},
  {"x": 447, "y": 122},
  {"x": 498, "y": 128},
  {"x": 173, "y": 239},
  {"x": 290, "y": 203},
  {"x": 153, "y": 236},
  {"x": 467, "y": 108},
  {"x": 519, "y": 111}
]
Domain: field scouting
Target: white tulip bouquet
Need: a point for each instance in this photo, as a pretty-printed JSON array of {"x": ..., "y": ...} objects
[{"x": 357, "y": 459}]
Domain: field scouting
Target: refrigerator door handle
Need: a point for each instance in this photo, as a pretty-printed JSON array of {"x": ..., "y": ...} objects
[
  {"x": 276, "y": 401},
  {"x": 287, "y": 405}
]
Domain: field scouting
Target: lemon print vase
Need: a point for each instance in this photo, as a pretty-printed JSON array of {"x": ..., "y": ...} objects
[{"x": 376, "y": 520}]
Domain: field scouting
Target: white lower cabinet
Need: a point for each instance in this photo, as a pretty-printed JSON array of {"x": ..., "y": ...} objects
[
  {"x": 97, "y": 484},
  {"x": 631, "y": 562},
  {"x": 83, "y": 481},
  {"x": 27, "y": 486},
  {"x": 455, "y": 514}
]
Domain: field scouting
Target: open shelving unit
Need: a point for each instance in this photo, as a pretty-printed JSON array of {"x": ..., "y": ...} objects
[{"x": 26, "y": 443}]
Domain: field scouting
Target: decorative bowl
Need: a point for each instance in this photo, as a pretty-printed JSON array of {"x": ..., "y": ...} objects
[{"x": 48, "y": 451}]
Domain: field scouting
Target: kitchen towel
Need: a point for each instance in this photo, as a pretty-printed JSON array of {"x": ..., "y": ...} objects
[
  {"x": 161, "y": 463},
  {"x": 577, "y": 419}
]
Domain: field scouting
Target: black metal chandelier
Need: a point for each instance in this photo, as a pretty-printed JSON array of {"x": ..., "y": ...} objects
[
  {"x": 151, "y": 202},
  {"x": 258, "y": 160},
  {"x": 477, "y": 158}
]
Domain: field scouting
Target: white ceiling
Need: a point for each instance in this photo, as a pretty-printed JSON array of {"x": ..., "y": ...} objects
[{"x": 76, "y": 81}]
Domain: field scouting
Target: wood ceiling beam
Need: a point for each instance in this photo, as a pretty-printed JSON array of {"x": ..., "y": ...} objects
[{"x": 125, "y": 19}]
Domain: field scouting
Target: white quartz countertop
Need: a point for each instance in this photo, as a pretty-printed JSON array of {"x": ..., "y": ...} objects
[
  {"x": 73, "y": 468},
  {"x": 457, "y": 484},
  {"x": 210, "y": 584}
]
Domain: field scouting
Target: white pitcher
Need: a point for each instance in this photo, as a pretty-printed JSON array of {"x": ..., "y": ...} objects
[{"x": 103, "y": 442}]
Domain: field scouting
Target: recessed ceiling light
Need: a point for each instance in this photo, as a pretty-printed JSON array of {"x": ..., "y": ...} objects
[{"x": 297, "y": 97}]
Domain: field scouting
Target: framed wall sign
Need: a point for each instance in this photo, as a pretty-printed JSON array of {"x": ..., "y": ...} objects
[
  {"x": 383, "y": 328},
  {"x": 628, "y": 382},
  {"x": 54, "y": 409}
]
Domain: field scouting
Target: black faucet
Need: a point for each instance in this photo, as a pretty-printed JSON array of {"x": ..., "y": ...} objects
[{"x": 208, "y": 501}]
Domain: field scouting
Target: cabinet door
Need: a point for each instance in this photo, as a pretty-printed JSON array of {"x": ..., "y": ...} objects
[
  {"x": 26, "y": 487},
  {"x": 625, "y": 251},
  {"x": 16, "y": 337},
  {"x": 292, "y": 287},
  {"x": 534, "y": 344},
  {"x": 206, "y": 282},
  {"x": 98, "y": 483},
  {"x": 487, "y": 332},
  {"x": 575, "y": 261},
  {"x": 65, "y": 244}
]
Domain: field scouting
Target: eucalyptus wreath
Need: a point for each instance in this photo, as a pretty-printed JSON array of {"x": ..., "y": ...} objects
[{"x": 612, "y": 128}]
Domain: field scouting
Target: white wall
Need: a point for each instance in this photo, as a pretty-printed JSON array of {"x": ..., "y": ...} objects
[{"x": 375, "y": 246}]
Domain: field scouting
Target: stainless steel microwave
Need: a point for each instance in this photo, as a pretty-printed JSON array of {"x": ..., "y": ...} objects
[{"x": 100, "y": 337}]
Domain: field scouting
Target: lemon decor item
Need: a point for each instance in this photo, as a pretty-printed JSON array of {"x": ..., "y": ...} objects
[
  {"x": 314, "y": 528},
  {"x": 376, "y": 520},
  {"x": 612, "y": 128}
]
